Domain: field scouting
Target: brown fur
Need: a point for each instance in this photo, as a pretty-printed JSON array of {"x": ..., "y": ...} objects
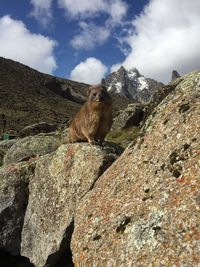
[{"x": 94, "y": 120}]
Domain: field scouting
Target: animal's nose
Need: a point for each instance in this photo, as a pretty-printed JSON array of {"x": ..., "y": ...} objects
[{"x": 101, "y": 98}]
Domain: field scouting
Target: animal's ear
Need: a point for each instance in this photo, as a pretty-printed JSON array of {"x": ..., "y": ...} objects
[
  {"x": 89, "y": 91},
  {"x": 104, "y": 88}
]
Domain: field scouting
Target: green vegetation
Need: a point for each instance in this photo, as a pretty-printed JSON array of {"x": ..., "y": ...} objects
[{"x": 123, "y": 137}]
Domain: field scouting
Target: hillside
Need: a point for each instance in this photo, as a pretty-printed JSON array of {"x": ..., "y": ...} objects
[
  {"x": 28, "y": 96},
  {"x": 82, "y": 205}
]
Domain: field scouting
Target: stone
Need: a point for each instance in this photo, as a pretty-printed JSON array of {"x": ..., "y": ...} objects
[
  {"x": 4, "y": 146},
  {"x": 34, "y": 129},
  {"x": 30, "y": 147},
  {"x": 175, "y": 75},
  {"x": 61, "y": 180},
  {"x": 14, "y": 180},
  {"x": 145, "y": 209},
  {"x": 129, "y": 117}
]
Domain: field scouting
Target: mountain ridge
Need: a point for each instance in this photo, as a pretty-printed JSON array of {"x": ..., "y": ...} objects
[{"x": 131, "y": 84}]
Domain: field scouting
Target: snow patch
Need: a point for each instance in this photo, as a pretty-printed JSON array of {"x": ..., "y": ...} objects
[
  {"x": 118, "y": 87},
  {"x": 132, "y": 75},
  {"x": 142, "y": 84}
]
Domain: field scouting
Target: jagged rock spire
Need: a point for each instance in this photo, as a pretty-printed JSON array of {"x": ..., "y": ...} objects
[{"x": 175, "y": 75}]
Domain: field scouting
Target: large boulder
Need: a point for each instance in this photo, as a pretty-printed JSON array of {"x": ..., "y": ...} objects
[
  {"x": 128, "y": 117},
  {"x": 145, "y": 209},
  {"x": 14, "y": 180},
  {"x": 61, "y": 180},
  {"x": 4, "y": 146},
  {"x": 34, "y": 129},
  {"x": 31, "y": 147},
  {"x": 126, "y": 125}
]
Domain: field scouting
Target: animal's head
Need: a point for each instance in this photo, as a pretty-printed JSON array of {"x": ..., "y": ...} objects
[{"x": 98, "y": 94}]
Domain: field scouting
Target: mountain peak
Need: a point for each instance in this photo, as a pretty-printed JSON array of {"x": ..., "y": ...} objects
[
  {"x": 175, "y": 75},
  {"x": 134, "y": 70},
  {"x": 129, "y": 83},
  {"x": 122, "y": 68}
]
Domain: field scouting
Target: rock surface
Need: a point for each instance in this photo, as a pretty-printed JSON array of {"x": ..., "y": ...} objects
[
  {"x": 61, "y": 180},
  {"x": 175, "y": 75},
  {"x": 4, "y": 146},
  {"x": 31, "y": 147},
  {"x": 131, "y": 116},
  {"x": 34, "y": 129},
  {"x": 75, "y": 203},
  {"x": 145, "y": 209},
  {"x": 14, "y": 181}
]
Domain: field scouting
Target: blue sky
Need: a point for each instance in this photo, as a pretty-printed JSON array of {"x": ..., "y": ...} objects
[{"x": 85, "y": 40}]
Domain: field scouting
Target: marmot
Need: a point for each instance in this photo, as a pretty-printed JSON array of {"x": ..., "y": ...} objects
[{"x": 94, "y": 120}]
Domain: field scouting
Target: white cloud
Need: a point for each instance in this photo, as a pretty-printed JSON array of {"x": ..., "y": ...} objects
[
  {"x": 90, "y": 71},
  {"x": 82, "y": 9},
  {"x": 115, "y": 67},
  {"x": 42, "y": 11},
  {"x": 117, "y": 10},
  {"x": 76, "y": 9},
  {"x": 90, "y": 36},
  {"x": 18, "y": 43},
  {"x": 166, "y": 37}
]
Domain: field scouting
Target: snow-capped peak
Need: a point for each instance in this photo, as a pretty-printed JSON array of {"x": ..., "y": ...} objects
[{"x": 129, "y": 83}]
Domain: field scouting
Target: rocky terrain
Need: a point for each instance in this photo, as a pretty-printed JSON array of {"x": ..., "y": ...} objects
[
  {"x": 29, "y": 97},
  {"x": 131, "y": 84},
  {"x": 79, "y": 205}
]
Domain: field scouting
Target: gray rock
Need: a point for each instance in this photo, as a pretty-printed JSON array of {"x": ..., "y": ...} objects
[
  {"x": 145, "y": 209},
  {"x": 14, "y": 181},
  {"x": 61, "y": 180},
  {"x": 42, "y": 127},
  {"x": 31, "y": 147},
  {"x": 4, "y": 146},
  {"x": 131, "y": 116},
  {"x": 175, "y": 75}
]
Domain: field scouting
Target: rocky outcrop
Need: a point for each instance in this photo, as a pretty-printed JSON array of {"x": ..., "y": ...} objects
[
  {"x": 61, "y": 180},
  {"x": 131, "y": 84},
  {"x": 128, "y": 121},
  {"x": 34, "y": 129},
  {"x": 175, "y": 75},
  {"x": 38, "y": 200},
  {"x": 145, "y": 209},
  {"x": 30, "y": 147},
  {"x": 60, "y": 87},
  {"x": 78, "y": 205},
  {"x": 126, "y": 125},
  {"x": 4, "y": 147},
  {"x": 14, "y": 180},
  {"x": 131, "y": 116}
]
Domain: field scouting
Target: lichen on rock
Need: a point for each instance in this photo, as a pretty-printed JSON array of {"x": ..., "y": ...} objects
[
  {"x": 60, "y": 182},
  {"x": 145, "y": 208}
]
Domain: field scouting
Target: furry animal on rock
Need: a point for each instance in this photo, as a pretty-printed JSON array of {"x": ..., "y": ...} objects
[{"x": 94, "y": 120}]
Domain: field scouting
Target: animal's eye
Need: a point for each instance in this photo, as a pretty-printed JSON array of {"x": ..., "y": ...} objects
[{"x": 94, "y": 94}]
